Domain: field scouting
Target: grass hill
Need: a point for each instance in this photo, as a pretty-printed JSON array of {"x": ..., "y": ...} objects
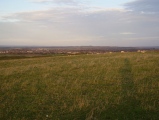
[{"x": 92, "y": 87}]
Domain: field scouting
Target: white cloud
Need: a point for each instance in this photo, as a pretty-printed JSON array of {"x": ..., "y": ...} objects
[
  {"x": 82, "y": 25},
  {"x": 56, "y": 1},
  {"x": 127, "y": 33}
]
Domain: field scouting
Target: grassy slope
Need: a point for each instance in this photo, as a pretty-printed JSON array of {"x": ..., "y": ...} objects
[{"x": 110, "y": 86}]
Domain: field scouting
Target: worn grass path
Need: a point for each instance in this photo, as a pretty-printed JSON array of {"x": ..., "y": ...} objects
[{"x": 130, "y": 108}]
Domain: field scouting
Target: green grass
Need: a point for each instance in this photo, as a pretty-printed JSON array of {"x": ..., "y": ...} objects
[{"x": 82, "y": 87}]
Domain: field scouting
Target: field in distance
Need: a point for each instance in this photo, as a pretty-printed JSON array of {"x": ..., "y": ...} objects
[{"x": 80, "y": 87}]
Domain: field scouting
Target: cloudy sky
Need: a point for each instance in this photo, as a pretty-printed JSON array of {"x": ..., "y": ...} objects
[{"x": 79, "y": 22}]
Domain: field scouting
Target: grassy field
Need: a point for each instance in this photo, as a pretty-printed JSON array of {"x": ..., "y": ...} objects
[{"x": 117, "y": 86}]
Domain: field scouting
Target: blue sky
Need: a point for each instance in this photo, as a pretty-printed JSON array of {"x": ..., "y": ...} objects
[
  {"x": 79, "y": 22},
  {"x": 7, "y": 6}
]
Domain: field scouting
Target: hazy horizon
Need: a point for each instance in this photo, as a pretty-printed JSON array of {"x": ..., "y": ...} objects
[{"x": 122, "y": 23}]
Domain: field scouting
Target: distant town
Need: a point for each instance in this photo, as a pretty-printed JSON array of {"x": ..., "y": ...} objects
[{"x": 72, "y": 50}]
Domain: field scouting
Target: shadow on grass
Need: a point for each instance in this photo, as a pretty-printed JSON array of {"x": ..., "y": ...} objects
[{"x": 130, "y": 107}]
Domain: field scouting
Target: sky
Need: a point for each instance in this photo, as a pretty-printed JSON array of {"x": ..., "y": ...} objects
[{"x": 79, "y": 22}]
